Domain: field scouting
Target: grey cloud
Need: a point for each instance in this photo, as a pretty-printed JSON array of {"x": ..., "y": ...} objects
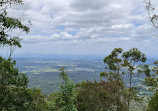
[
  {"x": 83, "y": 5},
  {"x": 112, "y": 22}
]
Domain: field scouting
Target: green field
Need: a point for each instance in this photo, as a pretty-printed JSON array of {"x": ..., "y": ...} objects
[{"x": 44, "y": 74}]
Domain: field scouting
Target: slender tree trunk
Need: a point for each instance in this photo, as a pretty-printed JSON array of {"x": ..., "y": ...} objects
[{"x": 129, "y": 95}]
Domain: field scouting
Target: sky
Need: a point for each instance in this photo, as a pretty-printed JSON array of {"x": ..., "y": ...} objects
[{"x": 85, "y": 27}]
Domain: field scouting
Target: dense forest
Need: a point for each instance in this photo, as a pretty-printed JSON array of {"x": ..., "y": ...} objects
[{"x": 114, "y": 91}]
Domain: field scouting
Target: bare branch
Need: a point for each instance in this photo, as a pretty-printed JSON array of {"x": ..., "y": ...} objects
[{"x": 153, "y": 17}]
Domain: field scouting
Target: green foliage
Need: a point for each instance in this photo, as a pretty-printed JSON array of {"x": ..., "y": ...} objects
[
  {"x": 51, "y": 100},
  {"x": 113, "y": 62},
  {"x": 99, "y": 96},
  {"x": 119, "y": 64},
  {"x": 151, "y": 79},
  {"x": 8, "y": 24},
  {"x": 4, "y": 2},
  {"x": 38, "y": 102},
  {"x": 153, "y": 102},
  {"x": 14, "y": 94},
  {"x": 114, "y": 74},
  {"x": 67, "y": 97},
  {"x": 132, "y": 57}
]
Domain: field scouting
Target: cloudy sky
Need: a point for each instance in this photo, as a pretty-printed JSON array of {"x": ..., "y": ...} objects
[{"x": 86, "y": 26}]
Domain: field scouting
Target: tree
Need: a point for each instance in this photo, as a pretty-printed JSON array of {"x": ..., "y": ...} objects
[
  {"x": 153, "y": 102},
  {"x": 38, "y": 102},
  {"x": 153, "y": 16},
  {"x": 113, "y": 73},
  {"x": 14, "y": 94},
  {"x": 98, "y": 96},
  {"x": 151, "y": 81},
  {"x": 8, "y": 24},
  {"x": 3, "y": 2},
  {"x": 118, "y": 65},
  {"x": 132, "y": 57},
  {"x": 51, "y": 101},
  {"x": 67, "y": 97}
]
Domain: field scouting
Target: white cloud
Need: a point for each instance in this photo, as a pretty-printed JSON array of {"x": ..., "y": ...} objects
[
  {"x": 62, "y": 36},
  {"x": 122, "y": 26},
  {"x": 93, "y": 22}
]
